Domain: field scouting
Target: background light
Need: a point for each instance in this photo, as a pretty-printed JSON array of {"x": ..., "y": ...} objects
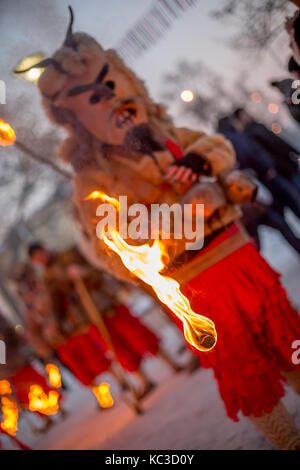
[
  {"x": 256, "y": 97},
  {"x": 187, "y": 96},
  {"x": 273, "y": 108},
  {"x": 276, "y": 128},
  {"x": 34, "y": 74}
]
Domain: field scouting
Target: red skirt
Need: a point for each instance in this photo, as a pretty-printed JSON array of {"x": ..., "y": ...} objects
[
  {"x": 131, "y": 339},
  {"x": 23, "y": 379},
  {"x": 256, "y": 326},
  {"x": 84, "y": 356}
]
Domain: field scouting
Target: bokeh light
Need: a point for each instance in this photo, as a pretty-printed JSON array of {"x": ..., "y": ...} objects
[
  {"x": 276, "y": 127},
  {"x": 187, "y": 96},
  {"x": 34, "y": 74},
  {"x": 256, "y": 97},
  {"x": 273, "y": 108}
]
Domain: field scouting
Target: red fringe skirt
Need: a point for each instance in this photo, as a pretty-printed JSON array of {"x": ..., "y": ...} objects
[
  {"x": 256, "y": 326},
  {"x": 84, "y": 356},
  {"x": 131, "y": 339}
]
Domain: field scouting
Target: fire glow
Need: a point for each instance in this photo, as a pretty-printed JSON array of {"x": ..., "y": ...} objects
[
  {"x": 146, "y": 263},
  {"x": 41, "y": 402},
  {"x": 7, "y": 134},
  {"x": 53, "y": 375},
  {"x": 100, "y": 195},
  {"x": 10, "y": 416},
  {"x": 5, "y": 388},
  {"x": 103, "y": 395}
]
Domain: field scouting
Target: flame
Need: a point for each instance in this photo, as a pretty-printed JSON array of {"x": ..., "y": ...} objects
[
  {"x": 146, "y": 263},
  {"x": 7, "y": 134},
  {"x": 10, "y": 416},
  {"x": 41, "y": 402},
  {"x": 54, "y": 375},
  {"x": 103, "y": 395},
  {"x": 5, "y": 388},
  {"x": 104, "y": 197}
]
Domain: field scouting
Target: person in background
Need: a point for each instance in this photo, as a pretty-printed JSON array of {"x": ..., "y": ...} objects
[
  {"x": 251, "y": 155},
  {"x": 282, "y": 153},
  {"x": 290, "y": 90},
  {"x": 293, "y": 29},
  {"x": 131, "y": 339},
  {"x": 56, "y": 325},
  {"x": 39, "y": 320},
  {"x": 294, "y": 68},
  {"x": 18, "y": 369},
  {"x": 255, "y": 215},
  {"x": 282, "y": 178}
]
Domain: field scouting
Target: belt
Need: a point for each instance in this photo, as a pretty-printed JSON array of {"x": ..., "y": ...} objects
[{"x": 202, "y": 262}]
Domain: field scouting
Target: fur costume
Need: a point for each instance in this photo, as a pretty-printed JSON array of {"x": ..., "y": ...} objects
[
  {"x": 117, "y": 134},
  {"x": 120, "y": 142}
]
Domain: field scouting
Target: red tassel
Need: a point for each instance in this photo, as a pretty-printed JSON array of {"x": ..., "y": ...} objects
[{"x": 174, "y": 148}]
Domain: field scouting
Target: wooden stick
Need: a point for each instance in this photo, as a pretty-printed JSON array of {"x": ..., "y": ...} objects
[
  {"x": 96, "y": 318},
  {"x": 43, "y": 160}
]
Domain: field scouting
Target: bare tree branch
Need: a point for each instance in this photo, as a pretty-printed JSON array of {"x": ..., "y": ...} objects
[{"x": 43, "y": 160}]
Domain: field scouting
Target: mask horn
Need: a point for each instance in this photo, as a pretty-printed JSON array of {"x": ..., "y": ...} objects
[
  {"x": 70, "y": 41},
  {"x": 44, "y": 63}
]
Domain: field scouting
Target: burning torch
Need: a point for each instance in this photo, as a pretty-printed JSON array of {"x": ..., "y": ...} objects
[
  {"x": 8, "y": 138},
  {"x": 146, "y": 263}
]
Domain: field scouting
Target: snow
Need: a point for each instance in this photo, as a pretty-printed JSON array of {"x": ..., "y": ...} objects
[{"x": 183, "y": 412}]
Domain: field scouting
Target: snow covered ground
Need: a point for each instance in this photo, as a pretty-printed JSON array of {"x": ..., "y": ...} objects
[{"x": 183, "y": 412}]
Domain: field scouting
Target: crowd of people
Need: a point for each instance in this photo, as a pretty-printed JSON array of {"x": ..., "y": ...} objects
[{"x": 274, "y": 163}]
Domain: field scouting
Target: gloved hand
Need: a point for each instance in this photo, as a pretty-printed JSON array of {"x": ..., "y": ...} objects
[{"x": 189, "y": 167}]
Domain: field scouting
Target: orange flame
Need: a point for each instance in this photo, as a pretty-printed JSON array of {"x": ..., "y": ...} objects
[
  {"x": 53, "y": 375},
  {"x": 5, "y": 388},
  {"x": 41, "y": 402},
  {"x": 146, "y": 263},
  {"x": 10, "y": 416},
  {"x": 7, "y": 134},
  {"x": 103, "y": 395},
  {"x": 104, "y": 197}
]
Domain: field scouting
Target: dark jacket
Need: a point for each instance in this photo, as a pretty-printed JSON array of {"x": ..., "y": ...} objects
[
  {"x": 249, "y": 153},
  {"x": 283, "y": 154},
  {"x": 285, "y": 87}
]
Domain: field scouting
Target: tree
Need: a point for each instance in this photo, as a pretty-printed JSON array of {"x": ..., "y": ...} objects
[
  {"x": 212, "y": 98},
  {"x": 258, "y": 23},
  {"x": 26, "y": 181},
  {"x": 27, "y": 170}
]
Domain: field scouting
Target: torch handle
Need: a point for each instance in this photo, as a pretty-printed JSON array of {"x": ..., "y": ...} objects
[{"x": 96, "y": 318}]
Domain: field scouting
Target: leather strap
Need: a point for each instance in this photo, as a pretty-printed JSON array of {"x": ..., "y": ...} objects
[{"x": 202, "y": 262}]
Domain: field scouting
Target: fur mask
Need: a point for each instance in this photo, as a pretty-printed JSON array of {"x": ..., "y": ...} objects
[{"x": 85, "y": 88}]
